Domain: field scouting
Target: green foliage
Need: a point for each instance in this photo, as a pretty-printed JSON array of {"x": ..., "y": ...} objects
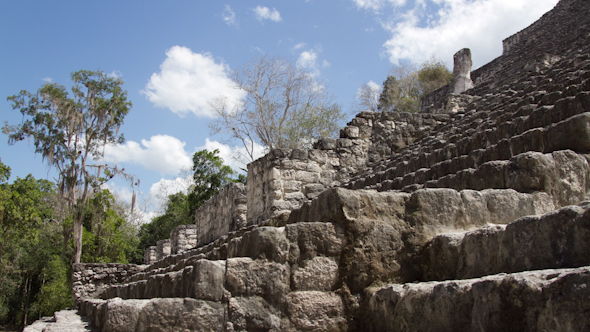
[
  {"x": 69, "y": 131},
  {"x": 29, "y": 237},
  {"x": 55, "y": 293},
  {"x": 210, "y": 175},
  {"x": 403, "y": 89},
  {"x": 35, "y": 252},
  {"x": 107, "y": 238},
  {"x": 433, "y": 74}
]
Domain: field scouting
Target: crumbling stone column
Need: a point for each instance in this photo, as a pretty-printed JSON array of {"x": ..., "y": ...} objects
[
  {"x": 163, "y": 248},
  {"x": 462, "y": 71},
  {"x": 151, "y": 255}
]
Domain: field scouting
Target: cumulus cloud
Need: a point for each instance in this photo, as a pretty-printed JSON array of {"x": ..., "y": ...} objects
[
  {"x": 188, "y": 81},
  {"x": 47, "y": 79},
  {"x": 264, "y": 13},
  {"x": 446, "y": 26},
  {"x": 160, "y": 190},
  {"x": 162, "y": 153},
  {"x": 376, "y": 5},
  {"x": 229, "y": 16},
  {"x": 233, "y": 156}
]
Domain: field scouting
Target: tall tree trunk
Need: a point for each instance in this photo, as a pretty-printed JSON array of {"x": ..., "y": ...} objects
[
  {"x": 78, "y": 237},
  {"x": 26, "y": 304}
]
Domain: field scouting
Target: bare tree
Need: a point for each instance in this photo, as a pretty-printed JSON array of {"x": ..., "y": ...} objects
[
  {"x": 367, "y": 97},
  {"x": 285, "y": 107}
]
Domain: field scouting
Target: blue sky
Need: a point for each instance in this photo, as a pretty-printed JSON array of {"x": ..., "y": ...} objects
[{"x": 173, "y": 55}]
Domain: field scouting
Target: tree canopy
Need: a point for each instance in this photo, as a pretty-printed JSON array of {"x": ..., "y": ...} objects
[
  {"x": 209, "y": 176},
  {"x": 70, "y": 132},
  {"x": 285, "y": 107}
]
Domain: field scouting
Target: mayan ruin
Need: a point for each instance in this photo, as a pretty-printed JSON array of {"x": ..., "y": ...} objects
[{"x": 471, "y": 215}]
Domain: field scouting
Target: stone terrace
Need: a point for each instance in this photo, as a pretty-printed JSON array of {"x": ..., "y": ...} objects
[{"x": 472, "y": 217}]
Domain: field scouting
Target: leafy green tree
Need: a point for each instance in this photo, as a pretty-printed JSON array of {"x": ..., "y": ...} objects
[
  {"x": 108, "y": 237},
  {"x": 70, "y": 131},
  {"x": 210, "y": 175},
  {"x": 29, "y": 237}
]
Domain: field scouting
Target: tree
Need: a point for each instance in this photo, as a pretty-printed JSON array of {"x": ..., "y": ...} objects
[
  {"x": 406, "y": 85},
  {"x": 367, "y": 97},
  {"x": 107, "y": 237},
  {"x": 71, "y": 131},
  {"x": 210, "y": 175},
  {"x": 433, "y": 74},
  {"x": 29, "y": 238},
  {"x": 281, "y": 105},
  {"x": 401, "y": 90}
]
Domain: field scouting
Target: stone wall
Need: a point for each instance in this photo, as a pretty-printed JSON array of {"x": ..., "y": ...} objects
[
  {"x": 183, "y": 238},
  {"x": 221, "y": 214},
  {"x": 90, "y": 279},
  {"x": 284, "y": 179}
]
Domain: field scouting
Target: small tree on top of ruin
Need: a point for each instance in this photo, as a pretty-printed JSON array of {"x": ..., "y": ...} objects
[{"x": 406, "y": 84}]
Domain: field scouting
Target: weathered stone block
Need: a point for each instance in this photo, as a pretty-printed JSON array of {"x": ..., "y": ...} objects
[
  {"x": 319, "y": 311},
  {"x": 317, "y": 274},
  {"x": 248, "y": 277}
]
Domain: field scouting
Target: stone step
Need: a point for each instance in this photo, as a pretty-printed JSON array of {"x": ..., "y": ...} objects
[
  {"x": 502, "y": 123},
  {"x": 558, "y": 239},
  {"x": 571, "y": 133},
  {"x": 394, "y": 224},
  {"x": 544, "y": 300},
  {"x": 68, "y": 320},
  {"x": 290, "y": 248}
]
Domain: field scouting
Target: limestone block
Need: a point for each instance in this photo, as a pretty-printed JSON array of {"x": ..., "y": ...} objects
[
  {"x": 209, "y": 278},
  {"x": 317, "y": 274},
  {"x": 310, "y": 239},
  {"x": 291, "y": 186},
  {"x": 122, "y": 315},
  {"x": 573, "y": 134},
  {"x": 319, "y": 311},
  {"x": 253, "y": 314},
  {"x": 181, "y": 315},
  {"x": 248, "y": 277},
  {"x": 263, "y": 242},
  {"x": 553, "y": 300}
]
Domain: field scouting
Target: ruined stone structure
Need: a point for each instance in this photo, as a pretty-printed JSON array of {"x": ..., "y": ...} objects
[{"x": 470, "y": 216}]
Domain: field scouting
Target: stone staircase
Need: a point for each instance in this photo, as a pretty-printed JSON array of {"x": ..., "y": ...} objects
[{"x": 476, "y": 219}]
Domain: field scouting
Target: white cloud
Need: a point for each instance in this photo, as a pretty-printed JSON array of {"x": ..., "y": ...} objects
[
  {"x": 376, "y": 5},
  {"x": 162, "y": 153},
  {"x": 308, "y": 60},
  {"x": 47, "y": 79},
  {"x": 480, "y": 25},
  {"x": 298, "y": 46},
  {"x": 188, "y": 81},
  {"x": 160, "y": 190},
  {"x": 115, "y": 74},
  {"x": 264, "y": 13},
  {"x": 229, "y": 16},
  {"x": 233, "y": 156}
]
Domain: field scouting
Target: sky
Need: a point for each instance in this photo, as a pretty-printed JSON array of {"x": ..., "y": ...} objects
[{"x": 174, "y": 56}]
